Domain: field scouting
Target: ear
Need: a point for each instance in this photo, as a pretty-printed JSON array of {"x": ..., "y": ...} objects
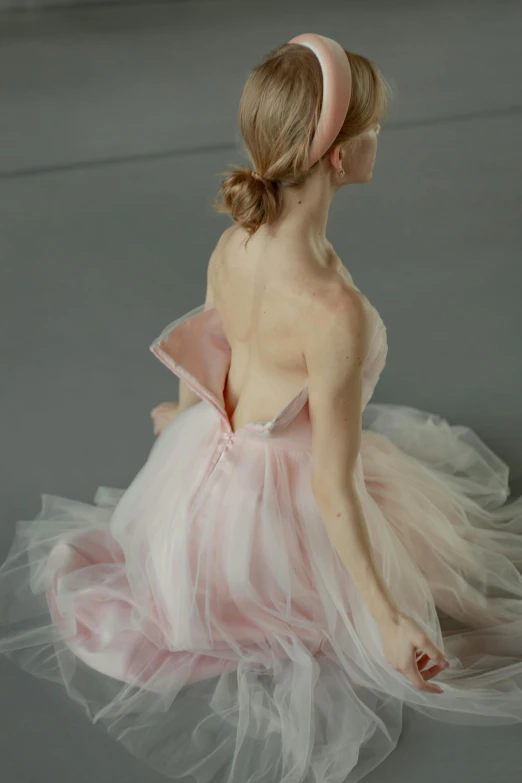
[{"x": 336, "y": 156}]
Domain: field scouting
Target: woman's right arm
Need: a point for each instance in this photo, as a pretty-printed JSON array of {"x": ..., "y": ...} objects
[{"x": 336, "y": 343}]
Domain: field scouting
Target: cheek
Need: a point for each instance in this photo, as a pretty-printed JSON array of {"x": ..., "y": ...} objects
[
  {"x": 366, "y": 154},
  {"x": 372, "y": 149}
]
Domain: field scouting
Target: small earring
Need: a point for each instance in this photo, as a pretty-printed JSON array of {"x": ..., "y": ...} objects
[{"x": 341, "y": 173}]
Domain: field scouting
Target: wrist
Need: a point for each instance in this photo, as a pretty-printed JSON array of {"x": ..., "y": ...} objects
[{"x": 384, "y": 610}]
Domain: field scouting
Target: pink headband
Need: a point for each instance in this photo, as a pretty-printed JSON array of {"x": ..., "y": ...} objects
[{"x": 337, "y": 89}]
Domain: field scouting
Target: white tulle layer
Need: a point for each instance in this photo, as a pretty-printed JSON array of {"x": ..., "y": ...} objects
[{"x": 204, "y": 617}]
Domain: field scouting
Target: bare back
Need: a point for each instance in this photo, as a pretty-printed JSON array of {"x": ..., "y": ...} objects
[{"x": 263, "y": 294}]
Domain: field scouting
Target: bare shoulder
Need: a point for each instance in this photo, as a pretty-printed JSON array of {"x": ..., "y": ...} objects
[
  {"x": 226, "y": 236},
  {"x": 222, "y": 241},
  {"x": 219, "y": 250},
  {"x": 336, "y": 331}
]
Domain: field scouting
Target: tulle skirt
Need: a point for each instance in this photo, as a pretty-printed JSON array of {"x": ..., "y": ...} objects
[{"x": 204, "y": 617}]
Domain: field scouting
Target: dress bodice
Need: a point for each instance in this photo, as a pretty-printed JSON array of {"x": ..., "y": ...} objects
[{"x": 196, "y": 349}]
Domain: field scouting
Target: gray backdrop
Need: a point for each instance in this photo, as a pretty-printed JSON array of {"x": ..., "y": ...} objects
[{"x": 115, "y": 123}]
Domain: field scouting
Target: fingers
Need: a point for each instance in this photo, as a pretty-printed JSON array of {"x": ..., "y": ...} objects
[
  {"x": 436, "y": 655},
  {"x": 161, "y": 418},
  {"x": 427, "y": 672},
  {"x": 430, "y": 652},
  {"x": 418, "y": 672},
  {"x": 412, "y": 673},
  {"x": 162, "y": 415},
  {"x": 164, "y": 407},
  {"x": 160, "y": 422}
]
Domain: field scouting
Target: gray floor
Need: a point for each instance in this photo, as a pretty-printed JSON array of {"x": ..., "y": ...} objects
[{"x": 115, "y": 124}]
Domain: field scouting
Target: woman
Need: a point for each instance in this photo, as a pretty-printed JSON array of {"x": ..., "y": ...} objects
[{"x": 276, "y": 582}]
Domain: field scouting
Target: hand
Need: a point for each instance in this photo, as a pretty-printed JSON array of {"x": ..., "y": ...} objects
[
  {"x": 407, "y": 648},
  {"x": 163, "y": 414}
]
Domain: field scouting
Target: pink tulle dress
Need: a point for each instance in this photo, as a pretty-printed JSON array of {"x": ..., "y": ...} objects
[{"x": 204, "y": 616}]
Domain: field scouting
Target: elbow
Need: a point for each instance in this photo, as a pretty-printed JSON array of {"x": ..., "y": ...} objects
[{"x": 329, "y": 490}]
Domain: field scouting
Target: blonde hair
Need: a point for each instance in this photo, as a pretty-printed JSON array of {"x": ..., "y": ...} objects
[{"x": 278, "y": 113}]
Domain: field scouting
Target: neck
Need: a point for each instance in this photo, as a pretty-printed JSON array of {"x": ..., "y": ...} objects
[{"x": 305, "y": 208}]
